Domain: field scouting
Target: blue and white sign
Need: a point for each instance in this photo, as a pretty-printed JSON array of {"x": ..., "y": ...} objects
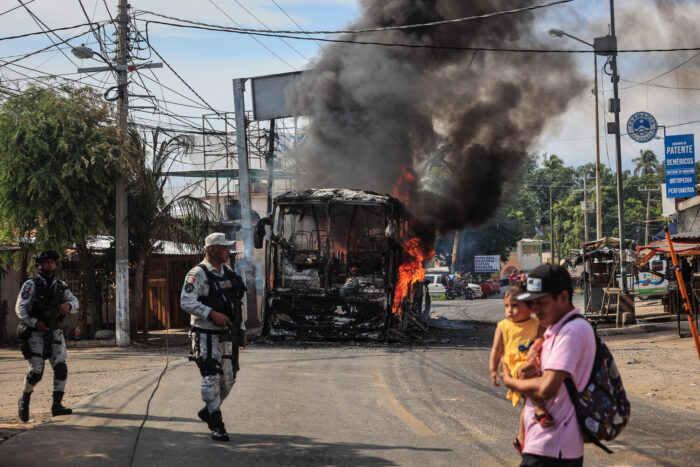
[
  {"x": 642, "y": 127},
  {"x": 680, "y": 166}
]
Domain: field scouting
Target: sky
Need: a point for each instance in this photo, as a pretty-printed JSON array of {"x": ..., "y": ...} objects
[{"x": 208, "y": 61}]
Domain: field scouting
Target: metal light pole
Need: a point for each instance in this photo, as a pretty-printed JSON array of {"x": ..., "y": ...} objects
[
  {"x": 598, "y": 204},
  {"x": 615, "y": 78},
  {"x": 253, "y": 320}
]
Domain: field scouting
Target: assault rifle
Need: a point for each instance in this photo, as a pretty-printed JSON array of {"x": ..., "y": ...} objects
[{"x": 48, "y": 312}]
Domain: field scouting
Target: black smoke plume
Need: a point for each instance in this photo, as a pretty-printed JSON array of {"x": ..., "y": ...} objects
[{"x": 377, "y": 109}]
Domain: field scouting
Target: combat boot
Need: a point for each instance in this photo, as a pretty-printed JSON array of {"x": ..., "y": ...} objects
[
  {"x": 219, "y": 431},
  {"x": 57, "y": 408},
  {"x": 205, "y": 417},
  {"x": 23, "y": 404}
]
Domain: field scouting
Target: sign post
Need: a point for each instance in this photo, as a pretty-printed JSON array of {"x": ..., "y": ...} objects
[{"x": 680, "y": 166}]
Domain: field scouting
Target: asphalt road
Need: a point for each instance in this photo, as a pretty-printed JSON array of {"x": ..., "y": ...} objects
[{"x": 320, "y": 405}]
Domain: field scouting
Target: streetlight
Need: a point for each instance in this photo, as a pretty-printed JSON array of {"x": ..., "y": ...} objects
[
  {"x": 599, "y": 212},
  {"x": 84, "y": 53},
  {"x": 607, "y": 46}
]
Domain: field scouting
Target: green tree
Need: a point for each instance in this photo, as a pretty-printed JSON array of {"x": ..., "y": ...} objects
[
  {"x": 59, "y": 155},
  {"x": 153, "y": 217}
]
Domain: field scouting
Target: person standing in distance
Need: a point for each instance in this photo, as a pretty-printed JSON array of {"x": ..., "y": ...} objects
[
  {"x": 43, "y": 302},
  {"x": 212, "y": 294}
]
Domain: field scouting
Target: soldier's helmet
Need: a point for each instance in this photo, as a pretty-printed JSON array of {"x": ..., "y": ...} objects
[{"x": 46, "y": 254}]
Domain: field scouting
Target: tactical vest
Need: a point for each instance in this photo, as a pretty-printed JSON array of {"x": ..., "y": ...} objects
[
  {"x": 44, "y": 306},
  {"x": 225, "y": 294}
]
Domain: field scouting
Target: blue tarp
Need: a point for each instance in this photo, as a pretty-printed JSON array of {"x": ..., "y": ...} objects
[{"x": 661, "y": 235}]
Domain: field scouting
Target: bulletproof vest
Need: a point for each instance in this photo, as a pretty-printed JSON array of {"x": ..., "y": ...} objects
[
  {"x": 44, "y": 306},
  {"x": 225, "y": 294}
]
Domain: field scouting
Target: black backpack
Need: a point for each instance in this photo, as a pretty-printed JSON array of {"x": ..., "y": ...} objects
[{"x": 602, "y": 408}]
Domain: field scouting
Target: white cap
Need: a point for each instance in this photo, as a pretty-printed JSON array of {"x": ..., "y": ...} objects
[{"x": 217, "y": 238}]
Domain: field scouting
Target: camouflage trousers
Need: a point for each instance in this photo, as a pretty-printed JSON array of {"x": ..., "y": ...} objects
[
  {"x": 218, "y": 364},
  {"x": 57, "y": 359}
]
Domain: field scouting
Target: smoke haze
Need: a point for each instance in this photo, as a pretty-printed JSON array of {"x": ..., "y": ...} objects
[{"x": 375, "y": 109}]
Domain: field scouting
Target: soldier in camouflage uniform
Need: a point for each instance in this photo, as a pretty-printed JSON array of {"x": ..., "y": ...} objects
[
  {"x": 42, "y": 304},
  {"x": 212, "y": 294}
]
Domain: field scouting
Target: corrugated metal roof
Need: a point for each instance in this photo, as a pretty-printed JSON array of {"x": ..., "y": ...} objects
[{"x": 695, "y": 234}]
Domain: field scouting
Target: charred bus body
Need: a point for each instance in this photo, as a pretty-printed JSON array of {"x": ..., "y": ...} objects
[{"x": 332, "y": 259}]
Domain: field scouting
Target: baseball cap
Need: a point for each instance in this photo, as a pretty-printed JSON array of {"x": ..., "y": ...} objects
[
  {"x": 217, "y": 238},
  {"x": 546, "y": 279}
]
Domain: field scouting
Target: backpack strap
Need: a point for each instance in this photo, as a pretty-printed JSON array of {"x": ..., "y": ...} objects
[{"x": 573, "y": 391}]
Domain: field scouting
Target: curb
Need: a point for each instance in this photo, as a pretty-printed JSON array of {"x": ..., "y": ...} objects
[
  {"x": 636, "y": 329},
  {"x": 92, "y": 343}
]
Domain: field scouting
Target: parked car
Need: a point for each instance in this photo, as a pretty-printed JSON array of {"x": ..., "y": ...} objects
[
  {"x": 489, "y": 288},
  {"x": 435, "y": 286}
]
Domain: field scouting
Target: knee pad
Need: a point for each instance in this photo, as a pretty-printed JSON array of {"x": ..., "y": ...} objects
[
  {"x": 34, "y": 378},
  {"x": 209, "y": 367},
  {"x": 60, "y": 371}
]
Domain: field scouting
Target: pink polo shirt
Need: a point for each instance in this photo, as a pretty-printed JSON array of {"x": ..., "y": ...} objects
[{"x": 571, "y": 349}]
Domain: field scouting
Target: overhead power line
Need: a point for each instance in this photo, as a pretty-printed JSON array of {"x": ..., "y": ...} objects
[
  {"x": 255, "y": 38},
  {"x": 412, "y": 46},
  {"x": 64, "y": 41},
  {"x": 385, "y": 28},
  {"x": 39, "y": 33},
  {"x": 13, "y": 9}
]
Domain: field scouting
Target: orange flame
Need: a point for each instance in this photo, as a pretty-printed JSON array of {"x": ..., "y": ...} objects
[
  {"x": 402, "y": 189},
  {"x": 411, "y": 269}
]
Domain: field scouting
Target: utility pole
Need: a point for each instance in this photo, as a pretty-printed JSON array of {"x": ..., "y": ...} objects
[
  {"x": 615, "y": 78},
  {"x": 455, "y": 248},
  {"x": 244, "y": 191},
  {"x": 121, "y": 228},
  {"x": 607, "y": 46},
  {"x": 598, "y": 202},
  {"x": 270, "y": 160},
  {"x": 551, "y": 223},
  {"x": 584, "y": 208},
  {"x": 646, "y": 226},
  {"x": 121, "y": 234}
]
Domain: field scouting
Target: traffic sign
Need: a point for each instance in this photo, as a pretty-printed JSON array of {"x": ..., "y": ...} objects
[
  {"x": 680, "y": 166},
  {"x": 642, "y": 127}
]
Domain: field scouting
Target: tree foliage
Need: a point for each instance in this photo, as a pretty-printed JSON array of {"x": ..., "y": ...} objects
[
  {"x": 59, "y": 157},
  {"x": 526, "y": 211}
]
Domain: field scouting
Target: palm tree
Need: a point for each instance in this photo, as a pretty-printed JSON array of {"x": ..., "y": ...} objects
[
  {"x": 152, "y": 217},
  {"x": 646, "y": 163}
]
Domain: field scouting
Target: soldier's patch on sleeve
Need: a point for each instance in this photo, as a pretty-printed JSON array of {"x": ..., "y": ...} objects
[
  {"x": 189, "y": 287},
  {"x": 190, "y": 279},
  {"x": 26, "y": 290}
]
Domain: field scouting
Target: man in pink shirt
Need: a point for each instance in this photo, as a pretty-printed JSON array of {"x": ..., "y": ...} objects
[{"x": 568, "y": 351}]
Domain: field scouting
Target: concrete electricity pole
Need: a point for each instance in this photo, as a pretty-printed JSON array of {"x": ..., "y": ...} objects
[
  {"x": 122, "y": 226},
  {"x": 648, "y": 191},
  {"x": 244, "y": 191},
  {"x": 584, "y": 207},
  {"x": 121, "y": 233}
]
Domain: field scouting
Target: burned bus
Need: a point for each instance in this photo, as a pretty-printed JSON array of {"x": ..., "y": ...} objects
[{"x": 340, "y": 263}]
